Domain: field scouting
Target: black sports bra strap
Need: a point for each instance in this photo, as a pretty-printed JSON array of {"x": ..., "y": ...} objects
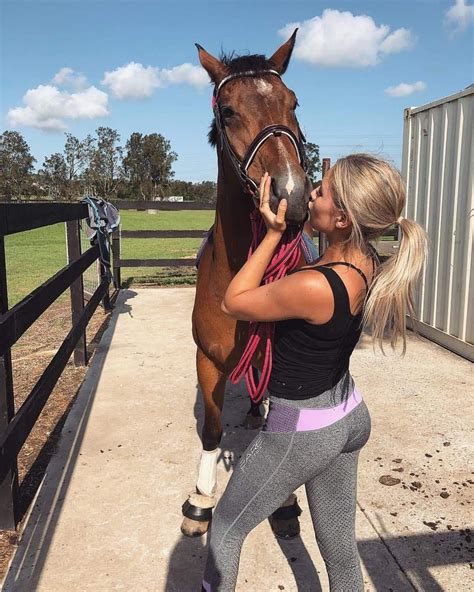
[{"x": 359, "y": 271}]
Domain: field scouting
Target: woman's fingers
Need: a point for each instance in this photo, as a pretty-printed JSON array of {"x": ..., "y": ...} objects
[
  {"x": 276, "y": 222},
  {"x": 280, "y": 217},
  {"x": 265, "y": 189},
  {"x": 262, "y": 186}
]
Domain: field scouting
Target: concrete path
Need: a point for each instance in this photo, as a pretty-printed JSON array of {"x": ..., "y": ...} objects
[{"x": 107, "y": 516}]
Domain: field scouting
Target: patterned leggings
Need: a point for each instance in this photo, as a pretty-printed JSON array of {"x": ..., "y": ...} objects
[{"x": 277, "y": 462}]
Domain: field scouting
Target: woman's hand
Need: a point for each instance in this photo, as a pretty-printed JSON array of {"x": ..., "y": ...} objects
[{"x": 275, "y": 223}]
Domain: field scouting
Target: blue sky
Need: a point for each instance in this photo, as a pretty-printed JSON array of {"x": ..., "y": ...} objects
[{"x": 75, "y": 65}]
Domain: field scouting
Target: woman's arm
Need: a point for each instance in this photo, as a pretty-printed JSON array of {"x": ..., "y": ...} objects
[{"x": 303, "y": 295}]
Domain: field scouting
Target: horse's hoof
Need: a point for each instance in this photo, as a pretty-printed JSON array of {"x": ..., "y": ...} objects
[
  {"x": 284, "y": 521},
  {"x": 194, "y": 528},
  {"x": 285, "y": 529},
  {"x": 197, "y": 513},
  {"x": 253, "y": 422}
]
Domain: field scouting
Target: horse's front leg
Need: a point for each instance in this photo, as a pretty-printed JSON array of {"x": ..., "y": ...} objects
[{"x": 197, "y": 510}]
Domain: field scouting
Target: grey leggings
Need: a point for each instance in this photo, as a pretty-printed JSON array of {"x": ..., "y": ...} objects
[{"x": 273, "y": 466}]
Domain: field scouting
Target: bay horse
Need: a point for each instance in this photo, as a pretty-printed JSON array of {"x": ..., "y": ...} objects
[{"x": 255, "y": 129}]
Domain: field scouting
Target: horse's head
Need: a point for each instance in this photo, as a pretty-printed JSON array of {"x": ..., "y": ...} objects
[{"x": 256, "y": 126}]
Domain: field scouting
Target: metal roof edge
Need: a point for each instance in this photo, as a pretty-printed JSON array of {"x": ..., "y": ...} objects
[{"x": 463, "y": 93}]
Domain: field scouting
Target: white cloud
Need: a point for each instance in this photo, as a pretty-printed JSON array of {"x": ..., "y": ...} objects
[
  {"x": 46, "y": 107},
  {"x": 403, "y": 89},
  {"x": 186, "y": 74},
  {"x": 459, "y": 16},
  {"x": 399, "y": 40},
  {"x": 343, "y": 39},
  {"x": 134, "y": 81},
  {"x": 67, "y": 77}
]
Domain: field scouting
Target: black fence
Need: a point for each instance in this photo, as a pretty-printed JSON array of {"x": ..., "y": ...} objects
[
  {"x": 118, "y": 263},
  {"x": 15, "y": 427}
]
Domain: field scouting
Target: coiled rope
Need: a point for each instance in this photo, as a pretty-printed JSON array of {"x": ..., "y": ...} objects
[{"x": 284, "y": 260}]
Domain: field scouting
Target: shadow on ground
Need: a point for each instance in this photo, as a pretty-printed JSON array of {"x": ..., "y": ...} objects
[{"x": 39, "y": 532}]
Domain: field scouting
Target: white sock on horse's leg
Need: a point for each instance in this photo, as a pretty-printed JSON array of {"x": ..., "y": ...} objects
[{"x": 207, "y": 476}]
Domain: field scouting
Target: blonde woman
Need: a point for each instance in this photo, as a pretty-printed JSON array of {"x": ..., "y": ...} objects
[{"x": 318, "y": 422}]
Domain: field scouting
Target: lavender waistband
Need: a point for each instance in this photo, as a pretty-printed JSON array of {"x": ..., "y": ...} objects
[{"x": 283, "y": 418}]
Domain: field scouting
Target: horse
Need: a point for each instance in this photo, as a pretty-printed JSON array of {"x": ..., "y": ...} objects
[{"x": 255, "y": 129}]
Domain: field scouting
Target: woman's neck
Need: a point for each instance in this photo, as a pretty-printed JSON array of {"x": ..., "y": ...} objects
[{"x": 337, "y": 251}]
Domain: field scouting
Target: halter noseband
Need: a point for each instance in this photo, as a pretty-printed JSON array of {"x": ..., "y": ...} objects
[{"x": 267, "y": 132}]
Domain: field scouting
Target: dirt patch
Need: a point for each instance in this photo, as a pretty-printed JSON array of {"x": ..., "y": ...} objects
[{"x": 30, "y": 356}]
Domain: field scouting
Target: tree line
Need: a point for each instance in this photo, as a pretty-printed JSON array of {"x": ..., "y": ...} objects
[{"x": 99, "y": 165}]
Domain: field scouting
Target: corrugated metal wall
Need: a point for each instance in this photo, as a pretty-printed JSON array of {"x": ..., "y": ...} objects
[{"x": 437, "y": 166}]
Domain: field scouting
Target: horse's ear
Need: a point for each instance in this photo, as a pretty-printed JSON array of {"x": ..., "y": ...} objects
[
  {"x": 281, "y": 58},
  {"x": 215, "y": 68}
]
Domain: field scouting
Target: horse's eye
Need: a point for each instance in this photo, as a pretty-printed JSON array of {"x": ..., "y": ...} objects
[
  {"x": 296, "y": 105},
  {"x": 227, "y": 112}
]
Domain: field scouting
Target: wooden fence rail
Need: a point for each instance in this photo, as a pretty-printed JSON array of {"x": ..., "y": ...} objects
[
  {"x": 118, "y": 262},
  {"x": 385, "y": 248},
  {"x": 16, "y": 426}
]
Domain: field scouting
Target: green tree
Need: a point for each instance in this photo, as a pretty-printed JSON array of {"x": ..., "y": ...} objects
[
  {"x": 54, "y": 175},
  {"x": 72, "y": 156},
  {"x": 314, "y": 162},
  {"x": 104, "y": 158},
  {"x": 206, "y": 191},
  {"x": 77, "y": 154},
  {"x": 147, "y": 164},
  {"x": 16, "y": 165}
]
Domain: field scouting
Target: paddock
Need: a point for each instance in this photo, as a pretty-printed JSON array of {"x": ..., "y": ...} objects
[{"x": 107, "y": 514}]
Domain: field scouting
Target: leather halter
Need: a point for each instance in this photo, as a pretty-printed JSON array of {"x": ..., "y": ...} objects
[{"x": 275, "y": 130}]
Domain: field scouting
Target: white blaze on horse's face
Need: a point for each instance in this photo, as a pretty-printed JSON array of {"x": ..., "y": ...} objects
[
  {"x": 290, "y": 184},
  {"x": 263, "y": 87}
]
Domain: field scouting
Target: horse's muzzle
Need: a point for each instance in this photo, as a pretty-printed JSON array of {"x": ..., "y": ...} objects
[{"x": 296, "y": 190}]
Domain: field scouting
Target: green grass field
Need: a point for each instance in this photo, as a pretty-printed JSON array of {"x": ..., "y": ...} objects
[{"x": 34, "y": 256}]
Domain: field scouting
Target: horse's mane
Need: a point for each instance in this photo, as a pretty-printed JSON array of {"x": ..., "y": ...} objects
[{"x": 235, "y": 65}]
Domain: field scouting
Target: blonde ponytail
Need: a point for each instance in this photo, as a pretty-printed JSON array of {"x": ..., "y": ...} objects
[
  {"x": 391, "y": 297},
  {"x": 372, "y": 193}
]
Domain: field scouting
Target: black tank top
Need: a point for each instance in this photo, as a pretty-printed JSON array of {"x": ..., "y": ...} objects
[{"x": 310, "y": 359}]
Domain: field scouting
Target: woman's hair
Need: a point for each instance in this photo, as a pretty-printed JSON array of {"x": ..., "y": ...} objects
[{"x": 372, "y": 193}]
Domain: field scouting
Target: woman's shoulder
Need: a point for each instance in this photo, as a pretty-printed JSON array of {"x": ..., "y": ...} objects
[{"x": 314, "y": 293}]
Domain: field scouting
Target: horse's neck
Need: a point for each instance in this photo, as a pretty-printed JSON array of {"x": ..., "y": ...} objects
[{"x": 232, "y": 228}]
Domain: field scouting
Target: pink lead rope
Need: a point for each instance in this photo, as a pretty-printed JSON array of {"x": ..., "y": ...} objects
[{"x": 284, "y": 260}]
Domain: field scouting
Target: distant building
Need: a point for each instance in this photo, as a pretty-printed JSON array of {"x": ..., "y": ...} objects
[{"x": 175, "y": 198}]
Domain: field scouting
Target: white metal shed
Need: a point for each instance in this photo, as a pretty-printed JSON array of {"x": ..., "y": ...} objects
[{"x": 437, "y": 167}]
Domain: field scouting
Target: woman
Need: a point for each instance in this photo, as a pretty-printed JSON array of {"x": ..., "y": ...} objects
[{"x": 317, "y": 422}]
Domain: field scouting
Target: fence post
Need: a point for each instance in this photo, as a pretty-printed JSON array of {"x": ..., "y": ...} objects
[
  {"x": 115, "y": 259},
  {"x": 9, "y": 486},
  {"x": 73, "y": 231},
  {"x": 323, "y": 241}
]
